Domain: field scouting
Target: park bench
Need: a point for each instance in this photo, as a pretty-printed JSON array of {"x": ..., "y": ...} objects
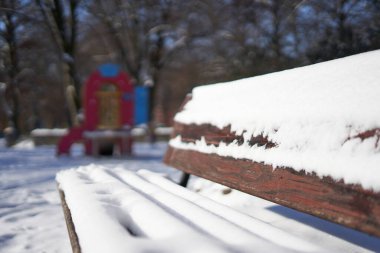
[
  {"x": 149, "y": 207},
  {"x": 42, "y": 136}
]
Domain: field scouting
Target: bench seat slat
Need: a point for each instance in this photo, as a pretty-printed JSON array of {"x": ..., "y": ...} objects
[
  {"x": 255, "y": 226},
  {"x": 151, "y": 214},
  {"x": 109, "y": 216},
  {"x": 210, "y": 217}
]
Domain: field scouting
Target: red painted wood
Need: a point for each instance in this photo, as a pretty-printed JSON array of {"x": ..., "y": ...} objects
[
  {"x": 214, "y": 135},
  {"x": 368, "y": 134},
  {"x": 346, "y": 204},
  {"x": 91, "y": 107}
]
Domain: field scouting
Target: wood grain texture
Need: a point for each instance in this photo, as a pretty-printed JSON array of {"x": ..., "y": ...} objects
[
  {"x": 348, "y": 205},
  {"x": 69, "y": 224},
  {"x": 214, "y": 135}
]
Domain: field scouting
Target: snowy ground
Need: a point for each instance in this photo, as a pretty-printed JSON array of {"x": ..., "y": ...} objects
[{"x": 31, "y": 218}]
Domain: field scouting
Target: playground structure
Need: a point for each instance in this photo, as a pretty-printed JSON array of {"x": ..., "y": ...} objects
[{"x": 109, "y": 100}]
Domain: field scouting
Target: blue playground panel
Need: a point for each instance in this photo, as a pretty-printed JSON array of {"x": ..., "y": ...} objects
[
  {"x": 109, "y": 70},
  {"x": 141, "y": 105},
  {"x": 141, "y": 94}
]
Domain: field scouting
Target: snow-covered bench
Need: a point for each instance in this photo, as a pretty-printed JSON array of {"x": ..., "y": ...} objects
[
  {"x": 316, "y": 151},
  {"x": 45, "y": 136},
  {"x": 122, "y": 211},
  {"x": 306, "y": 138}
]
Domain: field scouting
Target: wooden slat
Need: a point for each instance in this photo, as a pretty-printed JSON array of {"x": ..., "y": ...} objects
[
  {"x": 213, "y": 135},
  {"x": 346, "y": 204},
  {"x": 349, "y": 205},
  {"x": 70, "y": 224}
]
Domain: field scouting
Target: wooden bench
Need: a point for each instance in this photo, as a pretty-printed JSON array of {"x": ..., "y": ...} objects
[
  {"x": 144, "y": 203},
  {"x": 123, "y": 211},
  {"x": 148, "y": 201},
  {"x": 346, "y": 204},
  {"x": 47, "y": 136}
]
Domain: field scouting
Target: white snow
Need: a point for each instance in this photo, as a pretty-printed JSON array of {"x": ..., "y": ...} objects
[
  {"x": 139, "y": 131},
  {"x": 49, "y": 132},
  {"x": 106, "y": 134},
  {"x": 31, "y": 218},
  {"x": 312, "y": 113},
  {"x": 255, "y": 226},
  {"x": 163, "y": 130},
  {"x": 117, "y": 199}
]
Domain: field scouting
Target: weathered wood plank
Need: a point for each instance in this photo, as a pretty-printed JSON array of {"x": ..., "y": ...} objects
[
  {"x": 349, "y": 205},
  {"x": 345, "y": 204},
  {"x": 214, "y": 135},
  {"x": 70, "y": 224}
]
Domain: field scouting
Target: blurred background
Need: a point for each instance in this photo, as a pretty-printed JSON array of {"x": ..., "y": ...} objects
[{"x": 49, "y": 47}]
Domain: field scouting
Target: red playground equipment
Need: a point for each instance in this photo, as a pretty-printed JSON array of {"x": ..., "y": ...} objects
[{"x": 108, "y": 115}]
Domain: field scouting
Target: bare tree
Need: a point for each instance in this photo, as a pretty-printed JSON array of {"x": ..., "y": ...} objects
[
  {"x": 144, "y": 35},
  {"x": 61, "y": 18},
  {"x": 341, "y": 28},
  {"x": 10, "y": 20},
  {"x": 168, "y": 45}
]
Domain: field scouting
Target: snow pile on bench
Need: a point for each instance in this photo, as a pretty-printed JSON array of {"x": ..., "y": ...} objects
[
  {"x": 323, "y": 118},
  {"x": 122, "y": 211}
]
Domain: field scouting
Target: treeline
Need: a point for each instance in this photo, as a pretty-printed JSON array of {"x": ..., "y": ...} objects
[{"x": 48, "y": 48}]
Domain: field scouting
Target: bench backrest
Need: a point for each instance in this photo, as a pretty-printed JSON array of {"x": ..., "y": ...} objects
[{"x": 346, "y": 204}]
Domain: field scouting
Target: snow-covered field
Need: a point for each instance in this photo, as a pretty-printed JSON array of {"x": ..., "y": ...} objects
[{"x": 31, "y": 218}]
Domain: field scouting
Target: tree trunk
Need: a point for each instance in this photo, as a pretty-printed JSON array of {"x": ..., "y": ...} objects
[{"x": 69, "y": 91}]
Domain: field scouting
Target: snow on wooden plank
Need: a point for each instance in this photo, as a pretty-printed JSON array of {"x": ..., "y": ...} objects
[
  {"x": 323, "y": 118},
  {"x": 118, "y": 211},
  {"x": 306, "y": 138},
  {"x": 110, "y": 217},
  {"x": 203, "y": 219},
  {"x": 255, "y": 226}
]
